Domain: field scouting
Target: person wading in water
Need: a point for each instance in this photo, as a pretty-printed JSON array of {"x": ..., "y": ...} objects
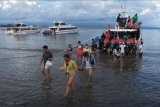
[
  {"x": 88, "y": 63},
  {"x": 70, "y": 69},
  {"x": 47, "y": 57}
]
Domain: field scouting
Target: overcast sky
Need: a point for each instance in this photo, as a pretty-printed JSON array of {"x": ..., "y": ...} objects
[{"x": 48, "y": 10}]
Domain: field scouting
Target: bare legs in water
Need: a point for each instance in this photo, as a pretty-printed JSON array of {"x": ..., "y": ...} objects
[
  {"x": 46, "y": 74},
  {"x": 89, "y": 72},
  {"x": 69, "y": 86}
]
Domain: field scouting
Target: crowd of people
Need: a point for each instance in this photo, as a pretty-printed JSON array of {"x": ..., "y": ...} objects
[
  {"x": 124, "y": 43},
  {"x": 86, "y": 58},
  {"x": 85, "y": 62},
  {"x": 118, "y": 44}
]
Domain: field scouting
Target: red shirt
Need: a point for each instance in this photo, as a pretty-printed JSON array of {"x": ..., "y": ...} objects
[
  {"x": 113, "y": 40},
  {"x": 120, "y": 40},
  {"x": 79, "y": 52},
  {"x": 130, "y": 40},
  {"x": 106, "y": 40}
]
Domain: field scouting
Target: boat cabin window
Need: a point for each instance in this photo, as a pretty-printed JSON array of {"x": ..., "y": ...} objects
[
  {"x": 68, "y": 28},
  {"x": 62, "y": 24},
  {"x": 18, "y": 25},
  {"x": 53, "y": 29},
  {"x": 56, "y": 24},
  {"x": 24, "y": 25}
]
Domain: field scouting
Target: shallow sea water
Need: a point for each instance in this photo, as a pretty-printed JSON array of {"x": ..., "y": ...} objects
[{"x": 131, "y": 82}]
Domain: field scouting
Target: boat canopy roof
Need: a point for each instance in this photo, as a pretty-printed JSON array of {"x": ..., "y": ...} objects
[{"x": 123, "y": 30}]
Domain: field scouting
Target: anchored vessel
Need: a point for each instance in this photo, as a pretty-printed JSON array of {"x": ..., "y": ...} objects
[
  {"x": 20, "y": 29},
  {"x": 61, "y": 27},
  {"x": 126, "y": 31}
]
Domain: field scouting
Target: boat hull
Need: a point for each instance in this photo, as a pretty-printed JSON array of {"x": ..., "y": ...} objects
[
  {"x": 19, "y": 33},
  {"x": 66, "y": 32},
  {"x": 32, "y": 31},
  {"x": 22, "y": 32},
  {"x": 50, "y": 32}
]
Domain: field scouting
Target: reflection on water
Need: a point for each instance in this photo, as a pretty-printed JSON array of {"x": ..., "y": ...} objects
[{"x": 131, "y": 81}]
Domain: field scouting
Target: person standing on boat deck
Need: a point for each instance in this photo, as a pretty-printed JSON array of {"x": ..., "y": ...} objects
[
  {"x": 118, "y": 22},
  {"x": 108, "y": 33},
  {"x": 70, "y": 49},
  {"x": 135, "y": 18},
  {"x": 70, "y": 69},
  {"x": 47, "y": 57},
  {"x": 129, "y": 23},
  {"x": 122, "y": 48}
]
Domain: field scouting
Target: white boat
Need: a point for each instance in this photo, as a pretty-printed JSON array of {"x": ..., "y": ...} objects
[
  {"x": 124, "y": 32},
  {"x": 22, "y": 27},
  {"x": 28, "y": 29},
  {"x": 61, "y": 28}
]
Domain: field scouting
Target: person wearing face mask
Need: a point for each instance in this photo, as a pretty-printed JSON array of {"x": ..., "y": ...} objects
[{"x": 70, "y": 69}]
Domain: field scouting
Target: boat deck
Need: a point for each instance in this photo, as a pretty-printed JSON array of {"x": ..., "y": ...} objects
[{"x": 122, "y": 30}]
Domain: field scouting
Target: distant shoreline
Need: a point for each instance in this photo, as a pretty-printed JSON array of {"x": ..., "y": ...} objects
[{"x": 82, "y": 25}]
